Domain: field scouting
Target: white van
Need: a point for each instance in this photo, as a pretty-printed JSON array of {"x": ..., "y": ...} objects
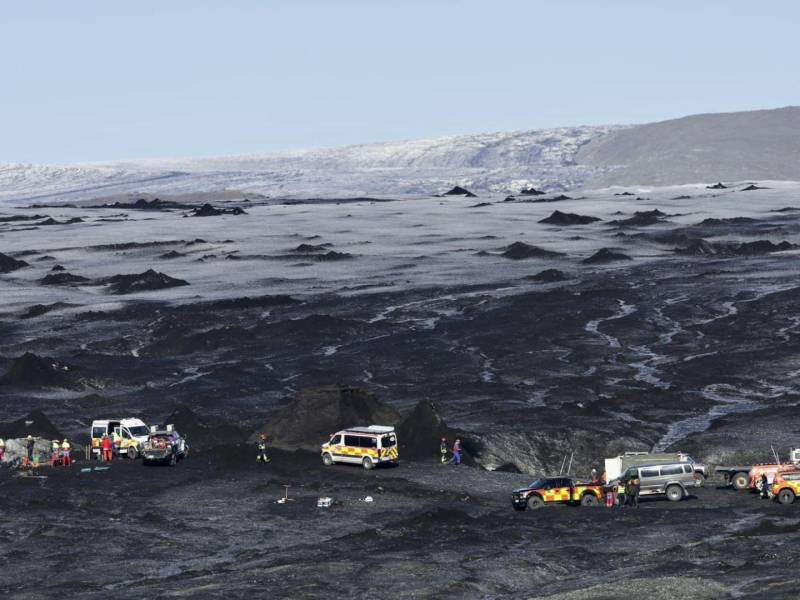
[
  {"x": 131, "y": 434},
  {"x": 367, "y": 446}
]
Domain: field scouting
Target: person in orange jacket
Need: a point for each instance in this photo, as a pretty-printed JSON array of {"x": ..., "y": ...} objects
[
  {"x": 105, "y": 444},
  {"x": 66, "y": 450}
]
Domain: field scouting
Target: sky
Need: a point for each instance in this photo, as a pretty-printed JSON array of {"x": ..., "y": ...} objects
[{"x": 98, "y": 80}]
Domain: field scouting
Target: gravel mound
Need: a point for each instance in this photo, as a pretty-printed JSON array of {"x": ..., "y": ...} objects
[
  {"x": 605, "y": 255},
  {"x": 521, "y": 250},
  {"x": 203, "y": 433},
  {"x": 560, "y": 218},
  {"x": 32, "y": 370},
  {"x": 148, "y": 281},
  {"x": 8, "y": 264}
]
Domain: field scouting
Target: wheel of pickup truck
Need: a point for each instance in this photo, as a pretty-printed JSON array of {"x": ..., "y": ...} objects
[
  {"x": 132, "y": 452},
  {"x": 590, "y": 499},
  {"x": 367, "y": 463},
  {"x": 327, "y": 459},
  {"x": 786, "y": 496},
  {"x": 535, "y": 502},
  {"x": 173, "y": 460},
  {"x": 740, "y": 481},
  {"x": 674, "y": 493}
]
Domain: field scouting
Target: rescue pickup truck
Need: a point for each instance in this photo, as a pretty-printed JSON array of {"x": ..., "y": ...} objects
[{"x": 557, "y": 490}]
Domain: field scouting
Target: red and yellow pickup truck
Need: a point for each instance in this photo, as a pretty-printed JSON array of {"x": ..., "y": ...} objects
[{"x": 562, "y": 490}]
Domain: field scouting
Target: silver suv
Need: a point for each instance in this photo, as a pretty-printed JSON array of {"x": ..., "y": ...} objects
[{"x": 671, "y": 479}]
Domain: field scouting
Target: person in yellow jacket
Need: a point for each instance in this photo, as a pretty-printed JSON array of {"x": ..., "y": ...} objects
[
  {"x": 55, "y": 453},
  {"x": 66, "y": 449}
]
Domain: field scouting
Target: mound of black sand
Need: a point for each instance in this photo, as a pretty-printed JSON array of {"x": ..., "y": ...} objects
[
  {"x": 57, "y": 268},
  {"x": 717, "y": 186},
  {"x": 786, "y": 209},
  {"x": 52, "y": 221},
  {"x": 8, "y": 264},
  {"x": 684, "y": 197},
  {"x": 330, "y": 256},
  {"x": 711, "y": 222},
  {"x": 62, "y": 279},
  {"x": 143, "y": 204},
  {"x": 39, "y": 371},
  {"x": 170, "y": 255},
  {"x": 752, "y": 187},
  {"x": 35, "y": 424},
  {"x": 509, "y": 199},
  {"x": 521, "y": 250},
  {"x": 624, "y": 194},
  {"x": 203, "y": 433},
  {"x": 605, "y": 255},
  {"x": 481, "y": 205},
  {"x": 309, "y": 248},
  {"x": 460, "y": 191},
  {"x": 40, "y": 309},
  {"x": 548, "y": 276},
  {"x": 312, "y": 415},
  {"x": 210, "y": 211},
  {"x": 641, "y": 219},
  {"x": 45, "y": 257},
  {"x": 244, "y": 302},
  {"x": 12, "y": 218},
  {"x": 758, "y": 248},
  {"x": 421, "y": 432},
  {"x": 148, "y": 281},
  {"x": 531, "y": 192},
  {"x": 561, "y": 218}
]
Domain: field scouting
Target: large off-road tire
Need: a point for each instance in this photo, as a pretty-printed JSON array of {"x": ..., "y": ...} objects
[
  {"x": 740, "y": 481},
  {"x": 367, "y": 463},
  {"x": 327, "y": 459},
  {"x": 535, "y": 502},
  {"x": 786, "y": 496},
  {"x": 674, "y": 493},
  {"x": 132, "y": 452},
  {"x": 590, "y": 500}
]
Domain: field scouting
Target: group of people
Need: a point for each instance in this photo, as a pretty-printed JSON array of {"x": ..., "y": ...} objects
[
  {"x": 61, "y": 453},
  {"x": 624, "y": 493},
  {"x": 455, "y": 459}
]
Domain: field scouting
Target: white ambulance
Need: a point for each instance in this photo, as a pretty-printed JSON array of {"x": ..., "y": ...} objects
[
  {"x": 129, "y": 435},
  {"x": 367, "y": 446}
]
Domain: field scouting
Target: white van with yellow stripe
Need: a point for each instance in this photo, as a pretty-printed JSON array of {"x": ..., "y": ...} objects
[{"x": 367, "y": 446}]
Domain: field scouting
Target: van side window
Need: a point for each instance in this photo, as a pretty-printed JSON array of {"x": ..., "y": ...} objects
[
  {"x": 671, "y": 470},
  {"x": 650, "y": 472},
  {"x": 352, "y": 440},
  {"x": 687, "y": 468},
  {"x": 368, "y": 442}
]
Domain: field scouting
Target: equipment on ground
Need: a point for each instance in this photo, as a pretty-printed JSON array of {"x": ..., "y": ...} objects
[
  {"x": 367, "y": 446},
  {"x": 556, "y": 490}
]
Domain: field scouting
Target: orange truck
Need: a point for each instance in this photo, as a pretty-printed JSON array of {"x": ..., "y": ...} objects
[
  {"x": 771, "y": 471},
  {"x": 785, "y": 487},
  {"x": 556, "y": 490}
]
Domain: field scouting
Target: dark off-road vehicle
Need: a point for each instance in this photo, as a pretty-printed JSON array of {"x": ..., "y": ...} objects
[
  {"x": 164, "y": 446},
  {"x": 561, "y": 490}
]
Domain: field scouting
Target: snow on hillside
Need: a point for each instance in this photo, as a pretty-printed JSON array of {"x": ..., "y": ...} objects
[{"x": 495, "y": 162}]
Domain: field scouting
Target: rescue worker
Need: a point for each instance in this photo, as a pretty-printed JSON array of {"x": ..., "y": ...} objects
[
  {"x": 764, "y": 486},
  {"x": 55, "y": 454},
  {"x": 443, "y": 450},
  {"x": 116, "y": 442},
  {"x": 593, "y": 476},
  {"x": 29, "y": 445},
  {"x": 635, "y": 487},
  {"x": 66, "y": 450},
  {"x": 262, "y": 449},
  {"x": 2, "y": 449},
  {"x": 106, "y": 447},
  {"x": 621, "y": 493},
  {"x": 456, "y": 459}
]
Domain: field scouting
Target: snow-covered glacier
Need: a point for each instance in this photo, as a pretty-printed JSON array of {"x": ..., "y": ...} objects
[{"x": 490, "y": 162}]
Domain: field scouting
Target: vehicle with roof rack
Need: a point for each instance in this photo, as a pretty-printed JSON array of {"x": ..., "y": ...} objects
[{"x": 367, "y": 446}]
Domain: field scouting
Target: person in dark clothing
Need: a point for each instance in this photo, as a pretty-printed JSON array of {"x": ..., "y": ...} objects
[
  {"x": 456, "y": 459},
  {"x": 443, "y": 450},
  {"x": 634, "y": 492},
  {"x": 764, "y": 486},
  {"x": 29, "y": 446},
  {"x": 262, "y": 449}
]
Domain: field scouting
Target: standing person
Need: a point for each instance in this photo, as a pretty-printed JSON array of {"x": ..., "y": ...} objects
[
  {"x": 609, "y": 496},
  {"x": 262, "y": 449},
  {"x": 29, "y": 445},
  {"x": 633, "y": 492},
  {"x": 55, "y": 454},
  {"x": 2, "y": 449},
  {"x": 764, "y": 486},
  {"x": 456, "y": 460},
  {"x": 443, "y": 451},
  {"x": 66, "y": 450},
  {"x": 621, "y": 493},
  {"x": 106, "y": 446},
  {"x": 593, "y": 476}
]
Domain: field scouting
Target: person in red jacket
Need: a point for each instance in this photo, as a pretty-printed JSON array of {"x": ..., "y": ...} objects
[{"x": 106, "y": 446}]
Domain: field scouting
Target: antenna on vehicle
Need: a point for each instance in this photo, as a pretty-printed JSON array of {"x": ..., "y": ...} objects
[
  {"x": 563, "y": 462},
  {"x": 569, "y": 467},
  {"x": 775, "y": 454}
]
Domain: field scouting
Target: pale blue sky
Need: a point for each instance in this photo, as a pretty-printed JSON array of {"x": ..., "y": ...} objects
[{"x": 101, "y": 80}]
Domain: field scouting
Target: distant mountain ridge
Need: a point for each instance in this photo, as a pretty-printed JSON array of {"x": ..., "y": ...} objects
[{"x": 727, "y": 146}]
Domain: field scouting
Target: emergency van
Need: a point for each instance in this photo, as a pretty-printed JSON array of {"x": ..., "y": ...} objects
[
  {"x": 128, "y": 435},
  {"x": 367, "y": 446}
]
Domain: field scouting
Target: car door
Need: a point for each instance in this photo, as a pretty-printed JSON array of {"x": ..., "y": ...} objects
[
  {"x": 649, "y": 481},
  {"x": 352, "y": 449}
]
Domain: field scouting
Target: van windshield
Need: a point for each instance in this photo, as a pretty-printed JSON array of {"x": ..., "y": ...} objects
[
  {"x": 98, "y": 432},
  {"x": 138, "y": 430}
]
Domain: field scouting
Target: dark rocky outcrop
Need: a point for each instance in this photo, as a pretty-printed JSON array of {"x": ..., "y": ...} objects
[
  {"x": 170, "y": 255},
  {"x": 31, "y": 370},
  {"x": 605, "y": 255},
  {"x": 561, "y": 218},
  {"x": 57, "y": 268},
  {"x": 312, "y": 415},
  {"x": 9, "y": 264},
  {"x": 210, "y": 211},
  {"x": 148, "y": 281},
  {"x": 753, "y": 187},
  {"x": 548, "y": 276},
  {"x": 460, "y": 191},
  {"x": 40, "y": 309},
  {"x": 309, "y": 248},
  {"x": 63, "y": 279},
  {"x": 712, "y": 222},
  {"x": 530, "y": 192},
  {"x": 203, "y": 433},
  {"x": 717, "y": 186},
  {"x": 625, "y": 194},
  {"x": 521, "y": 250},
  {"x": 641, "y": 219},
  {"x": 702, "y": 247},
  {"x": 421, "y": 432}
]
